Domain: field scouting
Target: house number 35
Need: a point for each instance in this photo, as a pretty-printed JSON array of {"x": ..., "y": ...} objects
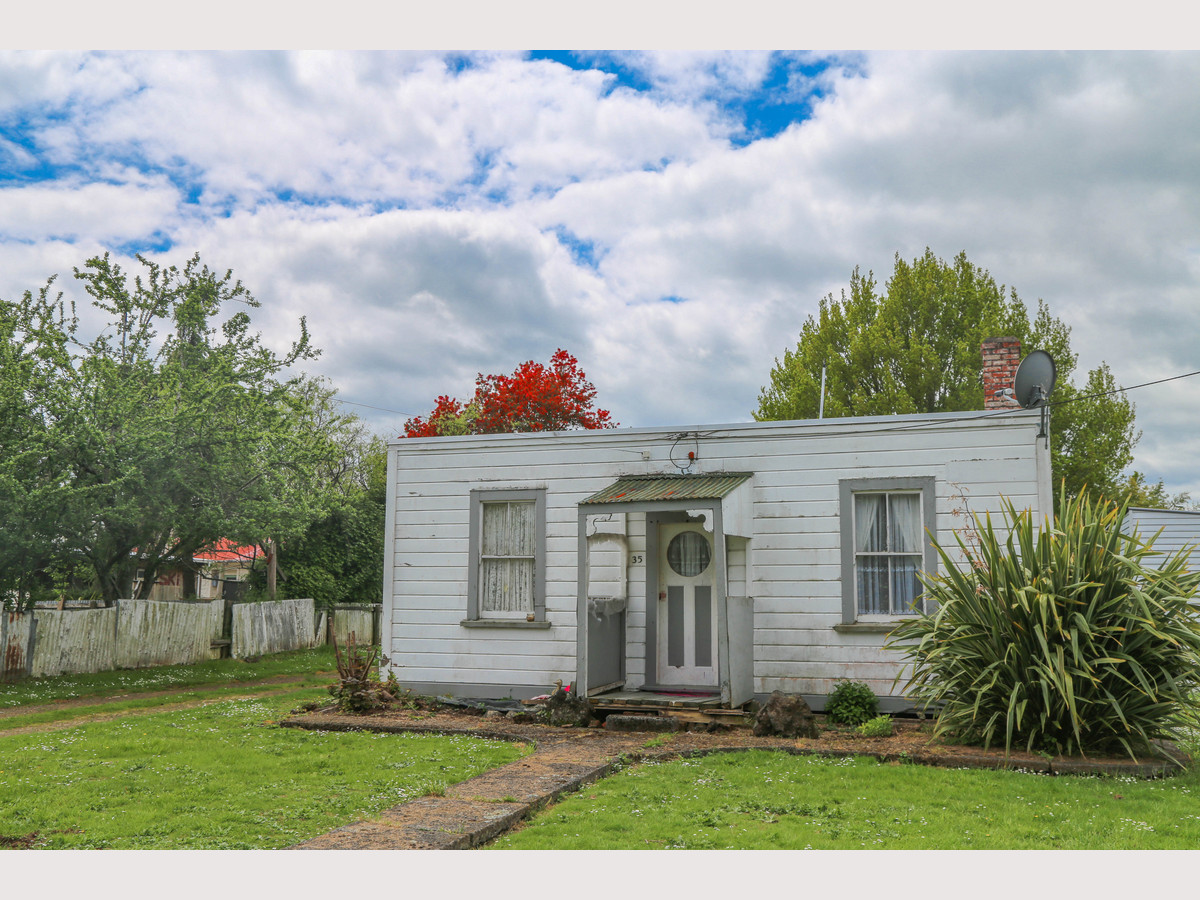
[{"x": 636, "y": 559}]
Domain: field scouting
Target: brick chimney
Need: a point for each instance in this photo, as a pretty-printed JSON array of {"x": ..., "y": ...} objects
[{"x": 1001, "y": 356}]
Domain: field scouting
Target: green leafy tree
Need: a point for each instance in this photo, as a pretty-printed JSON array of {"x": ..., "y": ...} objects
[
  {"x": 914, "y": 347},
  {"x": 171, "y": 428},
  {"x": 1136, "y": 491},
  {"x": 339, "y": 557},
  {"x": 32, "y": 481}
]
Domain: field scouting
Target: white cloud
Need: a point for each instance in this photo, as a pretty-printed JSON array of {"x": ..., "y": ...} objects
[
  {"x": 405, "y": 304},
  {"x": 1053, "y": 171},
  {"x": 1068, "y": 176},
  {"x": 40, "y": 79},
  {"x": 108, "y": 213},
  {"x": 694, "y": 76},
  {"x": 14, "y": 157},
  {"x": 393, "y": 128}
]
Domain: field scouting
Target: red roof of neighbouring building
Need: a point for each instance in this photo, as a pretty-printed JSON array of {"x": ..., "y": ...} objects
[{"x": 227, "y": 551}]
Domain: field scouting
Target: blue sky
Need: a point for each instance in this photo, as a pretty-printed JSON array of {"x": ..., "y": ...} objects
[
  {"x": 782, "y": 94},
  {"x": 671, "y": 218}
]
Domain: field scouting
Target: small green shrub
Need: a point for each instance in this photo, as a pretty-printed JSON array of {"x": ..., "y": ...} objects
[
  {"x": 880, "y": 726},
  {"x": 1068, "y": 638},
  {"x": 851, "y": 703}
]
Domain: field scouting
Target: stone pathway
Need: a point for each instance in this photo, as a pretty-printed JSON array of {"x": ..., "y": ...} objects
[{"x": 476, "y": 811}]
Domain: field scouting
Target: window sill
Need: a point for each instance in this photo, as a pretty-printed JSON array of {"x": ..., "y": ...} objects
[
  {"x": 867, "y": 627},
  {"x": 503, "y": 623}
]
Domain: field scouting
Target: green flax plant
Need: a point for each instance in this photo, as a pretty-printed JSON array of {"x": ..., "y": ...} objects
[{"x": 1073, "y": 637}]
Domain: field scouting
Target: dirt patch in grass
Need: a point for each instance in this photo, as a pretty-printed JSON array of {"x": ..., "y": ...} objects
[
  {"x": 79, "y": 702},
  {"x": 18, "y": 842},
  {"x": 82, "y": 704}
]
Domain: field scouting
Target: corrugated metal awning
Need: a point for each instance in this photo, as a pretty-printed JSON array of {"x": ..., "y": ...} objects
[{"x": 635, "y": 488}]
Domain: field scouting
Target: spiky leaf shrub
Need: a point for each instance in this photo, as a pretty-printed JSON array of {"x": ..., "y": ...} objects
[{"x": 1070, "y": 638}]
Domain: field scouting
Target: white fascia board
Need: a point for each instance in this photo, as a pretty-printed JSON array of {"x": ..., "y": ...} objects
[{"x": 864, "y": 424}]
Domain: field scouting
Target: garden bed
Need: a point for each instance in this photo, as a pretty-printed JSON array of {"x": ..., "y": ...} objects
[{"x": 911, "y": 742}]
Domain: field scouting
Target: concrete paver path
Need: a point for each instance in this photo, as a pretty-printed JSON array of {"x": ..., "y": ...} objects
[{"x": 480, "y": 809}]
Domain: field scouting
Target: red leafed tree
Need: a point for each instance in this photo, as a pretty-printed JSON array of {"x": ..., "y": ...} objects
[
  {"x": 448, "y": 417},
  {"x": 535, "y": 397}
]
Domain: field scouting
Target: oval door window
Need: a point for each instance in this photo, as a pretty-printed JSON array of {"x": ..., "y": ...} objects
[{"x": 688, "y": 554}]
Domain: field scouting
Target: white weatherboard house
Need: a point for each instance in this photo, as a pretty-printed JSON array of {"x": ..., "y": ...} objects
[
  {"x": 719, "y": 563},
  {"x": 1172, "y": 530}
]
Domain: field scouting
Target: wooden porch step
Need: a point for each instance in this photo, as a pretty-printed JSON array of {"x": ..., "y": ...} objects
[
  {"x": 702, "y": 708},
  {"x": 655, "y": 700}
]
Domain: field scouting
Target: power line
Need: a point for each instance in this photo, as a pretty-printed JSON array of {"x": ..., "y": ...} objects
[
  {"x": 1014, "y": 410},
  {"x": 1122, "y": 390},
  {"x": 369, "y": 406}
]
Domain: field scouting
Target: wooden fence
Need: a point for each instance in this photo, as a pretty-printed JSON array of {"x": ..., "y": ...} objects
[
  {"x": 138, "y": 633},
  {"x": 160, "y": 633},
  {"x": 71, "y": 641},
  {"x": 362, "y": 621},
  {"x": 260, "y": 628},
  {"x": 16, "y": 639}
]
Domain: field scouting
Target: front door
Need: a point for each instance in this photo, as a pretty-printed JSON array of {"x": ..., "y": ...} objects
[{"x": 687, "y": 608}]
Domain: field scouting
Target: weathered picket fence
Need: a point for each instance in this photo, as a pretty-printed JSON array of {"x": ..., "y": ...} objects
[
  {"x": 361, "y": 621},
  {"x": 137, "y": 633},
  {"x": 260, "y": 628}
]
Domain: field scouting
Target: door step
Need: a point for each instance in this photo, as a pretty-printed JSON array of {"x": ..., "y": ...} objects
[
  {"x": 730, "y": 718},
  {"x": 643, "y": 723},
  {"x": 650, "y": 711}
]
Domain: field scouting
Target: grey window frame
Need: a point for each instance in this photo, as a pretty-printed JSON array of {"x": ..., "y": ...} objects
[
  {"x": 478, "y": 498},
  {"x": 926, "y": 486}
]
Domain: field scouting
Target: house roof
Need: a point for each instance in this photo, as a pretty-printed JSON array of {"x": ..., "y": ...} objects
[
  {"x": 226, "y": 550},
  {"x": 783, "y": 428},
  {"x": 634, "y": 488}
]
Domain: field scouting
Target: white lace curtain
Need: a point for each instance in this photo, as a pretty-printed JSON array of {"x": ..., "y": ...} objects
[
  {"x": 688, "y": 554},
  {"x": 506, "y": 569},
  {"x": 887, "y": 544}
]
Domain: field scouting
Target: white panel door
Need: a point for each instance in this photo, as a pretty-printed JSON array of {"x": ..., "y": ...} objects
[{"x": 687, "y": 606}]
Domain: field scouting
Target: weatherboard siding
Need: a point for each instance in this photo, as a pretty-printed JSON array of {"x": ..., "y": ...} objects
[
  {"x": 1172, "y": 530},
  {"x": 790, "y": 565}
]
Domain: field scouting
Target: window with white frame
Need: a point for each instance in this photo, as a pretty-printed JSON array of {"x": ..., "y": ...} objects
[
  {"x": 507, "y": 555},
  {"x": 885, "y": 545}
]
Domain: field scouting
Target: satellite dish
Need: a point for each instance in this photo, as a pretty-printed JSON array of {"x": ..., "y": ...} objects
[{"x": 1035, "y": 379}]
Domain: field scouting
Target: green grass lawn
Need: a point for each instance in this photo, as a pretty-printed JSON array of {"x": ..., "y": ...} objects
[
  {"x": 219, "y": 776},
  {"x": 225, "y": 776},
  {"x": 761, "y": 800}
]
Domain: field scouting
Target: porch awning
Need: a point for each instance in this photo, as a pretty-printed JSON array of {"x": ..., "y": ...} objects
[{"x": 648, "y": 488}]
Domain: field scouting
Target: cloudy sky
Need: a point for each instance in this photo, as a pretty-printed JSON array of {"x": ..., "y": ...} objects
[{"x": 670, "y": 218}]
